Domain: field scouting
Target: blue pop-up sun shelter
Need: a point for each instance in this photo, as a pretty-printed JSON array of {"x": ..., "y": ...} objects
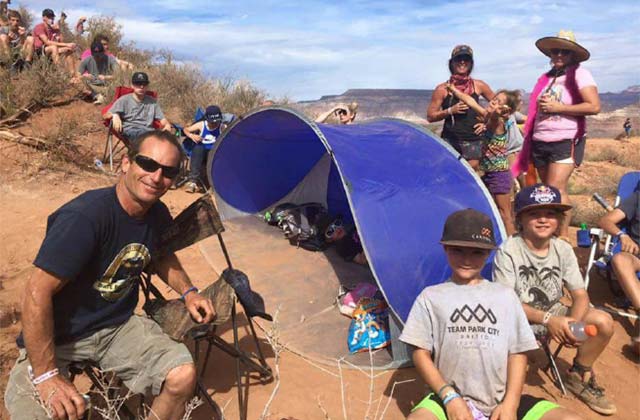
[{"x": 398, "y": 182}]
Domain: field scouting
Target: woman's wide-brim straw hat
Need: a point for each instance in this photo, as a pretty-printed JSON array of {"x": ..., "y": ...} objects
[{"x": 565, "y": 40}]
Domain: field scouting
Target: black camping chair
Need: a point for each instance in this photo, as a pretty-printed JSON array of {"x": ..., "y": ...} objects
[{"x": 232, "y": 287}]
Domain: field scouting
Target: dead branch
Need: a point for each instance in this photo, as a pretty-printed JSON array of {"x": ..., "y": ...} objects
[
  {"x": 24, "y": 113},
  {"x": 34, "y": 142}
]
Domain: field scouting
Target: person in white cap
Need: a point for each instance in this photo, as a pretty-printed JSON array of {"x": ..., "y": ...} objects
[{"x": 556, "y": 125}]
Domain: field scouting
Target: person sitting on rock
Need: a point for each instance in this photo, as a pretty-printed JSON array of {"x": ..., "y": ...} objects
[
  {"x": 96, "y": 71},
  {"x": 15, "y": 43},
  {"x": 104, "y": 40},
  {"x": 133, "y": 114},
  {"x": 45, "y": 42}
]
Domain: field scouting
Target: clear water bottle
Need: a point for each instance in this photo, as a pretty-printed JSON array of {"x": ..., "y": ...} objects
[
  {"x": 583, "y": 331},
  {"x": 98, "y": 164}
]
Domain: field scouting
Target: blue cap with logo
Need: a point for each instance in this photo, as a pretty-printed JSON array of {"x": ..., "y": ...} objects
[{"x": 538, "y": 196}]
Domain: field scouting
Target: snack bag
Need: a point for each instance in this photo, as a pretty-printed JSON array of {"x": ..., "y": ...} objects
[{"x": 369, "y": 327}]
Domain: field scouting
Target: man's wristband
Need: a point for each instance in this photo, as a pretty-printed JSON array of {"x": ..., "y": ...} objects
[
  {"x": 45, "y": 376},
  {"x": 547, "y": 316},
  {"x": 189, "y": 290},
  {"x": 450, "y": 396}
]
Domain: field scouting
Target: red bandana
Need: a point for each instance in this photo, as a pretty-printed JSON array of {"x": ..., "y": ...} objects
[{"x": 462, "y": 83}]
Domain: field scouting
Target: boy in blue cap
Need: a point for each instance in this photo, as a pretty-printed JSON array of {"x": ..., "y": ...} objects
[{"x": 536, "y": 264}]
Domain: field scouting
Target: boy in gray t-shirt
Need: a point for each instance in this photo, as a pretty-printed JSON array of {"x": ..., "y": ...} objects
[
  {"x": 468, "y": 333},
  {"x": 536, "y": 265}
]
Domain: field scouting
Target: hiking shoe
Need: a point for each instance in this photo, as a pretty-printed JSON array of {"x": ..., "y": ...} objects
[
  {"x": 99, "y": 99},
  {"x": 192, "y": 187},
  {"x": 589, "y": 392}
]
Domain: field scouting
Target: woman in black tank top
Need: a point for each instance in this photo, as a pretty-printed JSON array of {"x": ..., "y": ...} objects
[{"x": 459, "y": 119}]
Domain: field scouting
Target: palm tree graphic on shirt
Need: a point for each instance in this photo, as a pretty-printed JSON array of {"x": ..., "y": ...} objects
[{"x": 543, "y": 287}]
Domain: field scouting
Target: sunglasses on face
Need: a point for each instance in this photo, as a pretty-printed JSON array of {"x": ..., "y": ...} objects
[
  {"x": 465, "y": 58},
  {"x": 333, "y": 227},
  {"x": 558, "y": 51},
  {"x": 140, "y": 85},
  {"x": 149, "y": 165}
]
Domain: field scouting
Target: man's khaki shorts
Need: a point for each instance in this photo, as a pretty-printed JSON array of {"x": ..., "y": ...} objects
[{"x": 138, "y": 352}]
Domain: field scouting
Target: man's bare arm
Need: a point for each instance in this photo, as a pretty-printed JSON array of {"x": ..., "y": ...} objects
[
  {"x": 171, "y": 272},
  {"x": 60, "y": 395}
]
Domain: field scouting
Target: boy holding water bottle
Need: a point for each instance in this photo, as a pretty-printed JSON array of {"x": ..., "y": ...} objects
[{"x": 536, "y": 264}]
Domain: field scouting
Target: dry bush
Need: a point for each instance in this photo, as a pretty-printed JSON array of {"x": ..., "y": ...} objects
[
  {"x": 27, "y": 17},
  {"x": 622, "y": 156},
  {"x": 41, "y": 83},
  {"x": 62, "y": 146},
  {"x": 105, "y": 25}
]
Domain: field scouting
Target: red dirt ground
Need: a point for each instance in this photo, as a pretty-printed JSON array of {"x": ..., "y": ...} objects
[{"x": 32, "y": 185}]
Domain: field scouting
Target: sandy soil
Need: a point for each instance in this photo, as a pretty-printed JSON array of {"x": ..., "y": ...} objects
[{"x": 32, "y": 185}]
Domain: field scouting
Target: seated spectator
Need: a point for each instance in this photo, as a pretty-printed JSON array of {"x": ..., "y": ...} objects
[
  {"x": 14, "y": 41},
  {"x": 537, "y": 265},
  {"x": 4, "y": 9},
  {"x": 204, "y": 134},
  {"x": 347, "y": 241},
  {"x": 45, "y": 43},
  {"x": 626, "y": 263},
  {"x": 470, "y": 336},
  {"x": 133, "y": 114},
  {"x": 96, "y": 71},
  {"x": 345, "y": 114},
  {"x": 104, "y": 40},
  {"x": 80, "y": 26}
]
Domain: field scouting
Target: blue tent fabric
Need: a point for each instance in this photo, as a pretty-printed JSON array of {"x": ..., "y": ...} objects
[{"x": 398, "y": 181}]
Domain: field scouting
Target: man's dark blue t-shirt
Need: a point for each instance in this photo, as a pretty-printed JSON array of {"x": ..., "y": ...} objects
[{"x": 101, "y": 250}]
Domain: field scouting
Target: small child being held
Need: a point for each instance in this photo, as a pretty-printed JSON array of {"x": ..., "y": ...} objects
[
  {"x": 494, "y": 162},
  {"x": 470, "y": 336}
]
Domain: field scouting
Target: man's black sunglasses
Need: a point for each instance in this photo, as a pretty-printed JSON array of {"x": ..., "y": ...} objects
[
  {"x": 463, "y": 57},
  {"x": 149, "y": 165}
]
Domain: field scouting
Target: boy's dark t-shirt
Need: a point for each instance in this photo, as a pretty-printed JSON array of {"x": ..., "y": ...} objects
[
  {"x": 349, "y": 245},
  {"x": 631, "y": 209},
  {"x": 102, "y": 251}
]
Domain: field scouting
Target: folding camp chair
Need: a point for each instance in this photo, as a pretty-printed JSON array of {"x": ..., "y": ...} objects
[
  {"x": 544, "y": 341},
  {"x": 629, "y": 183},
  {"x": 113, "y": 149},
  {"x": 231, "y": 288}
]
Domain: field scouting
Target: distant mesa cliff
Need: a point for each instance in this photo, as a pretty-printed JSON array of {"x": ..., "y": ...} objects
[{"x": 411, "y": 105}]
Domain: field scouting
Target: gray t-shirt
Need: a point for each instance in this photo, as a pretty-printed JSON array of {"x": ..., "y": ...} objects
[
  {"x": 137, "y": 114},
  {"x": 537, "y": 280},
  {"x": 470, "y": 331},
  {"x": 91, "y": 66}
]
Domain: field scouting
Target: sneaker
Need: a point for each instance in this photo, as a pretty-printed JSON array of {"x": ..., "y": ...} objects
[
  {"x": 191, "y": 187},
  {"x": 99, "y": 99},
  {"x": 589, "y": 392}
]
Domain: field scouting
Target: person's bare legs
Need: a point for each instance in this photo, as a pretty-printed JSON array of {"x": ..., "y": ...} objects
[
  {"x": 27, "y": 49},
  {"x": 67, "y": 56},
  {"x": 52, "y": 51},
  {"x": 625, "y": 266},
  {"x": 4, "y": 46},
  {"x": 503, "y": 201},
  {"x": 176, "y": 391},
  {"x": 591, "y": 349},
  {"x": 557, "y": 175}
]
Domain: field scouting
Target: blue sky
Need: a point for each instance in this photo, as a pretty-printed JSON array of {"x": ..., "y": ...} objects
[{"x": 305, "y": 49}]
